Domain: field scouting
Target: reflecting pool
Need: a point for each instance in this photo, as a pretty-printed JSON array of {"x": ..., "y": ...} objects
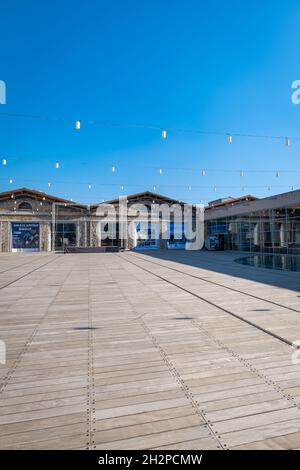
[{"x": 281, "y": 262}]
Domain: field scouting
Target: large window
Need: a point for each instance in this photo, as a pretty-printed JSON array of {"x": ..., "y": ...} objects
[
  {"x": 275, "y": 231},
  {"x": 65, "y": 235},
  {"x": 146, "y": 235},
  {"x": 177, "y": 238},
  {"x": 25, "y": 206}
]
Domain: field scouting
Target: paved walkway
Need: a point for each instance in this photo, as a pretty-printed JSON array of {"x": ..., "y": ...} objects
[{"x": 169, "y": 350}]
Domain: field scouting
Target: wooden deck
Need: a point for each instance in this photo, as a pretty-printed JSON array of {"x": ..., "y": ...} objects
[{"x": 171, "y": 350}]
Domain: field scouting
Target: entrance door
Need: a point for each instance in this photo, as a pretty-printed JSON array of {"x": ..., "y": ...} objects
[
  {"x": 110, "y": 235},
  {"x": 221, "y": 242}
]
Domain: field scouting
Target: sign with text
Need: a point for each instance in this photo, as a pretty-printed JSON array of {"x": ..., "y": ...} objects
[{"x": 25, "y": 236}]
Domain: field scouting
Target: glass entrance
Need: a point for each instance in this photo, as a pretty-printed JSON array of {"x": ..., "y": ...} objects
[{"x": 65, "y": 235}]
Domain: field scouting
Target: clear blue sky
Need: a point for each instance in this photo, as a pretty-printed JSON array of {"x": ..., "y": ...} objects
[{"x": 217, "y": 66}]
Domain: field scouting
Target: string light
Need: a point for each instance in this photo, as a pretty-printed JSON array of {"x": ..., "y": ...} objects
[
  {"x": 143, "y": 126},
  {"x": 189, "y": 187},
  {"x": 276, "y": 173},
  {"x": 4, "y": 161},
  {"x": 176, "y": 186},
  {"x": 229, "y": 137},
  {"x": 203, "y": 171}
]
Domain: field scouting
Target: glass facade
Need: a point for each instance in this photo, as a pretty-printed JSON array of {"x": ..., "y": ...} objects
[{"x": 275, "y": 231}]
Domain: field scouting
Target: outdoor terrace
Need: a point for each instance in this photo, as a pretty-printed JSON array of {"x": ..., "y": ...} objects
[{"x": 160, "y": 350}]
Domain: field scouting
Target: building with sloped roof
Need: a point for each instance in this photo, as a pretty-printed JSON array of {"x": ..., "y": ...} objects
[{"x": 31, "y": 220}]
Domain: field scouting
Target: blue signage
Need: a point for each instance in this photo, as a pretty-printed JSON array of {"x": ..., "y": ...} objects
[{"x": 25, "y": 236}]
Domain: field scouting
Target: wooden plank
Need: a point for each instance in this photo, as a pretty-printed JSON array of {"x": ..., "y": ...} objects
[{"x": 167, "y": 370}]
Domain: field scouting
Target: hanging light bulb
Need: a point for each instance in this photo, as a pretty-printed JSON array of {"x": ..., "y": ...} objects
[
  {"x": 202, "y": 172},
  {"x": 122, "y": 188},
  {"x": 229, "y": 139},
  {"x": 269, "y": 188},
  {"x": 190, "y": 188},
  {"x": 11, "y": 181},
  {"x": 41, "y": 203},
  {"x": 113, "y": 168},
  {"x": 44, "y": 198},
  {"x": 49, "y": 184},
  {"x": 277, "y": 174},
  {"x": 287, "y": 142},
  {"x": 57, "y": 165},
  {"x": 12, "y": 196},
  {"x": 154, "y": 188},
  {"x": 215, "y": 188},
  {"x": 292, "y": 188},
  {"x": 77, "y": 125},
  {"x": 164, "y": 134},
  {"x": 241, "y": 173},
  {"x": 90, "y": 186},
  {"x": 160, "y": 171},
  {"x": 4, "y": 161}
]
